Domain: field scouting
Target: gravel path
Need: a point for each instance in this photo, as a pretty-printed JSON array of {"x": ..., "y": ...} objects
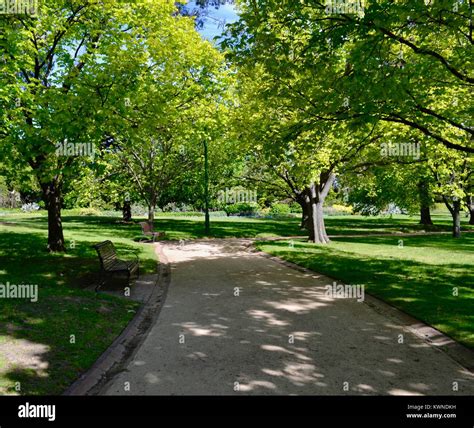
[{"x": 235, "y": 322}]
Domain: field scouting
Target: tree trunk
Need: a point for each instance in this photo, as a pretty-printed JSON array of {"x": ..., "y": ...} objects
[
  {"x": 425, "y": 216},
  {"x": 470, "y": 207},
  {"x": 317, "y": 232},
  {"x": 316, "y": 197},
  {"x": 303, "y": 201},
  {"x": 456, "y": 218},
  {"x": 127, "y": 211},
  {"x": 52, "y": 199},
  {"x": 424, "y": 194},
  {"x": 455, "y": 210},
  {"x": 151, "y": 214}
]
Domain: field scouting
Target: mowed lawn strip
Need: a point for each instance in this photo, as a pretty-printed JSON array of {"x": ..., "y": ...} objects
[
  {"x": 182, "y": 226},
  {"x": 429, "y": 277},
  {"x": 177, "y": 227}
]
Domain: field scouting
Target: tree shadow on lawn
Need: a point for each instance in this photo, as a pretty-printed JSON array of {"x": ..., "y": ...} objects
[
  {"x": 182, "y": 228},
  {"x": 228, "y": 228},
  {"x": 37, "y": 335},
  {"x": 251, "y": 228},
  {"x": 175, "y": 228},
  {"x": 425, "y": 291},
  {"x": 84, "y": 224},
  {"x": 442, "y": 242},
  {"x": 364, "y": 225}
]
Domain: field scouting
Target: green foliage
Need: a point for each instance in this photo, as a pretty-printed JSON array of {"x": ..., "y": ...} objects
[
  {"x": 402, "y": 62},
  {"x": 295, "y": 208},
  {"x": 323, "y": 91},
  {"x": 336, "y": 209},
  {"x": 85, "y": 212},
  {"x": 134, "y": 83},
  {"x": 279, "y": 209},
  {"x": 241, "y": 208}
]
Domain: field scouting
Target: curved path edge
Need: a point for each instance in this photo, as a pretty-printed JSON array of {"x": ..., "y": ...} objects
[
  {"x": 455, "y": 350},
  {"x": 116, "y": 357}
]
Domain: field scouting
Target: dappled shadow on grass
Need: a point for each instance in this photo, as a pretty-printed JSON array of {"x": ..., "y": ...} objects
[
  {"x": 239, "y": 227},
  {"x": 23, "y": 257},
  {"x": 366, "y": 225},
  {"x": 85, "y": 224},
  {"x": 466, "y": 242},
  {"x": 175, "y": 228},
  {"x": 62, "y": 310},
  {"x": 250, "y": 228},
  {"x": 51, "y": 342},
  {"x": 440, "y": 294},
  {"x": 227, "y": 228}
]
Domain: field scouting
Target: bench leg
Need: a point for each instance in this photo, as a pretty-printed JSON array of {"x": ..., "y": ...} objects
[
  {"x": 101, "y": 282},
  {"x": 130, "y": 275}
]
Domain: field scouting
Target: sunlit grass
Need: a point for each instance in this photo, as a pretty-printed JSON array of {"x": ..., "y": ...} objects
[
  {"x": 64, "y": 309},
  {"x": 429, "y": 277}
]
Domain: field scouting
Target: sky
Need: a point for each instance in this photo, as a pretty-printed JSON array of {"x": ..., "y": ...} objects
[{"x": 213, "y": 25}]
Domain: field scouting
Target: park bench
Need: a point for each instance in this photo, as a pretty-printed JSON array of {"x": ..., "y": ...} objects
[
  {"x": 147, "y": 229},
  {"x": 111, "y": 265}
]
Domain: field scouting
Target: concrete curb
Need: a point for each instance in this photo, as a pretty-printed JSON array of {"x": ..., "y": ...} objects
[
  {"x": 115, "y": 358},
  {"x": 435, "y": 338}
]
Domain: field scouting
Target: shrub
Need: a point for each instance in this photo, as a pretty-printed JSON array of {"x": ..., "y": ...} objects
[
  {"x": 337, "y": 209},
  {"x": 342, "y": 209},
  {"x": 242, "y": 209},
  {"x": 85, "y": 212},
  {"x": 178, "y": 207},
  {"x": 218, "y": 213},
  {"x": 280, "y": 209},
  {"x": 295, "y": 208},
  {"x": 139, "y": 210},
  {"x": 183, "y": 213}
]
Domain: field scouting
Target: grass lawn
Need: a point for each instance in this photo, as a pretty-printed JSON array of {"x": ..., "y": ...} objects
[
  {"x": 192, "y": 227},
  {"x": 418, "y": 278},
  {"x": 37, "y": 336}
]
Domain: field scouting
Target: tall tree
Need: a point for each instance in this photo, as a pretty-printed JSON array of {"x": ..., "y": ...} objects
[
  {"x": 303, "y": 152},
  {"x": 50, "y": 66},
  {"x": 452, "y": 180}
]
